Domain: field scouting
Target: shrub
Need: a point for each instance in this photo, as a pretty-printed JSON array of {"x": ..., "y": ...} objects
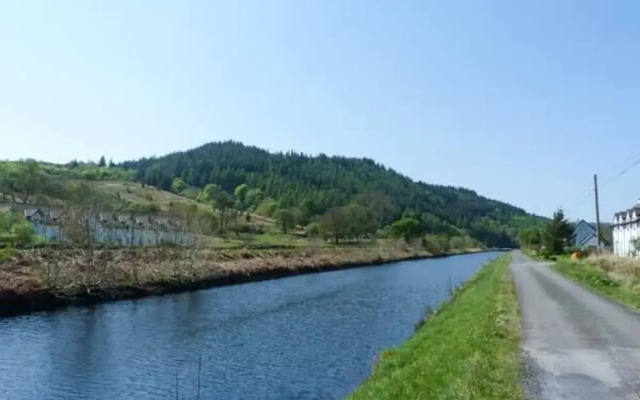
[
  {"x": 313, "y": 229},
  {"x": 267, "y": 208},
  {"x": 14, "y": 229},
  {"x": 7, "y": 253},
  {"x": 23, "y": 233},
  {"x": 241, "y": 228}
]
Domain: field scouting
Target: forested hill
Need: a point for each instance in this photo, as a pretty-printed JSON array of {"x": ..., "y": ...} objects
[{"x": 315, "y": 184}]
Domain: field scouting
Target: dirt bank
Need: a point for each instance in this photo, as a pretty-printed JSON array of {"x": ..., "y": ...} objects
[{"x": 46, "y": 279}]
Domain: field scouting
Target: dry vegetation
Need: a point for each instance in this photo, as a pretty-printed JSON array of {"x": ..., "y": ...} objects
[
  {"x": 74, "y": 272},
  {"x": 619, "y": 268},
  {"x": 616, "y": 277}
]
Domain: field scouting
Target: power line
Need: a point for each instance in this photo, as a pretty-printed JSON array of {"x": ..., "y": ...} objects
[
  {"x": 619, "y": 165},
  {"x": 624, "y": 171},
  {"x": 581, "y": 200},
  {"x": 589, "y": 194}
]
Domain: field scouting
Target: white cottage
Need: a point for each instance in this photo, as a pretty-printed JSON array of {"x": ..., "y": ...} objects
[{"x": 626, "y": 230}]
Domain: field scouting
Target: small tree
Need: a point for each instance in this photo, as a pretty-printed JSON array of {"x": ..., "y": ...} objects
[
  {"x": 241, "y": 194},
  {"x": 80, "y": 217},
  {"x": 209, "y": 193},
  {"x": 102, "y": 163},
  {"x": 178, "y": 186},
  {"x": 557, "y": 233},
  {"x": 286, "y": 219},
  {"x": 24, "y": 180},
  {"x": 529, "y": 238},
  {"x": 407, "y": 228},
  {"x": 362, "y": 221},
  {"x": 15, "y": 229},
  {"x": 222, "y": 202},
  {"x": 313, "y": 229},
  {"x": 23, "y": 233},
  {"x": 253, "y": 198},
  {"x": 335, "y": 224},
  {"x": 267, "y": 208}
]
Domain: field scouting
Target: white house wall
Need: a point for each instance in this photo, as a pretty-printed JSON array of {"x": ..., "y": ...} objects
[{"x": 625, "y": 230}]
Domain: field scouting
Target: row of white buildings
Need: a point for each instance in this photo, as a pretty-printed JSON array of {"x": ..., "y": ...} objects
[
  {"x": 626, "y": 231},
  {"x": 124, "y": 229}
]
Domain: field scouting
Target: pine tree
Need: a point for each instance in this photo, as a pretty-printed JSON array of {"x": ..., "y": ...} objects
[{"x": 556, "y": 234}]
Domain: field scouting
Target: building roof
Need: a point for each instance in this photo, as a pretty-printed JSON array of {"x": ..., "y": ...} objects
[
  {"x": 583, "y": 222},
  {"x": 142, "y": 219},
  {"x": 30, "y": 212},
  {"x": 124, "y": 217},
  {"x": 592, "y": 227},
  {"x": 55, "y": 214}
]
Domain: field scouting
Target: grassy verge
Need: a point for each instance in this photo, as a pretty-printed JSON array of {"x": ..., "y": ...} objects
[
  {"x": 617, "y": 278},
  {"x": 470, "y": 348}
]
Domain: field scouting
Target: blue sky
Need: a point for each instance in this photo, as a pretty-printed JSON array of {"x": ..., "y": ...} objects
[{"x": 520, "y": 101}]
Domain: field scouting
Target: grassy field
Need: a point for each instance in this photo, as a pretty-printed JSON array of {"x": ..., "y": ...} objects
[
  {"x": 615, "y": 277},
  {"x": 470, "y": 348},
  {"x": 134, "y": 193}
]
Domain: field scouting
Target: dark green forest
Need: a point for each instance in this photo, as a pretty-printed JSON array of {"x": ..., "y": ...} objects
[{"x": 317, "y": 186}]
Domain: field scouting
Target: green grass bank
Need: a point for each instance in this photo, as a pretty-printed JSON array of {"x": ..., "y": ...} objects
[
  {"x": 614, "y": 277},
  {"x": 469, "y": 349}
]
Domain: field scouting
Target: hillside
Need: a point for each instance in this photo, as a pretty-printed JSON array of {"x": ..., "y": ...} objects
[{"x": 315, "y": 184}]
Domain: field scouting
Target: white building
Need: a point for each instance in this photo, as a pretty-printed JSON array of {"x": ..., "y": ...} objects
[{"x": 626, "y": 229}]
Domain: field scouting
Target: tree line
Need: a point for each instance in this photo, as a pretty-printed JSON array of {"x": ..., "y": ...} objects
[{"x": 308, "y": 187}]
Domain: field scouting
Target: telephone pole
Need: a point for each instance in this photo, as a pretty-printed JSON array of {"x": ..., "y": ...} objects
[{"x": 595, "y": 187}]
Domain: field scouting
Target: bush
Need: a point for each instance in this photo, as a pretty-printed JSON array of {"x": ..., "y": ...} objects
[
  {"x": 436, "y": 244},
  {"x": 457, "y": 243},
  {"x": 267, "y": 208},
  {"x": 15, "y": 230},
  {"x": 241, "y": 228},
  {"x": 313, "y": 229},
  {"x": 23, "y": 233},
  {"x": 7, "y": 253}
]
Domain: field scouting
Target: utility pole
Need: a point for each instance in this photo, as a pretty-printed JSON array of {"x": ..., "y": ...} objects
[{"x": 595, "y": 186}]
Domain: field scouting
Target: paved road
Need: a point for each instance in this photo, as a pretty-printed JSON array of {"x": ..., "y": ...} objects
[{"x": 578, "y": 345}]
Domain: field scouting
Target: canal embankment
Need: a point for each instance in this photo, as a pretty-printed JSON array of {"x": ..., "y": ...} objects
[{"x": 50, "y": 278}]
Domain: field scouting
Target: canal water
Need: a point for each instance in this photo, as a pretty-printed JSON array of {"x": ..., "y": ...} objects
[{"x": 304, "y": 337}]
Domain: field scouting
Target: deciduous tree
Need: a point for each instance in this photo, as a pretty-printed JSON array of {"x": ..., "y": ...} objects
[
  {"x": 335, "y": 224},
  {"x": 178, "y": 186},
  {"x": 286, "y": 219},
  {"x": 407, "y": 228},
  {"x": 241, "y": 191}
]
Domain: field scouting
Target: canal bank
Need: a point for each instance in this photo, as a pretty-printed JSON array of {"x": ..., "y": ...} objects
[
  {"x": 468, "y": 349},
  {"x": 48, "y": 279}
]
